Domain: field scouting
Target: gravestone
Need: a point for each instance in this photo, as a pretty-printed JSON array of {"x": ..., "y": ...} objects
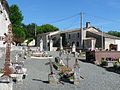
[
  {"x": 52, "y": 77},
  {"x": 76, "y": 72}
]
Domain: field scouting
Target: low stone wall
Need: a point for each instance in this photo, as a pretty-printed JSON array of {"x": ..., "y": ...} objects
[{"x": 97, "y": 56}]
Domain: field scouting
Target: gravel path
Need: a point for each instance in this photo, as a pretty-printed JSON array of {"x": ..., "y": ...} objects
[{"x": 95, "y": 78}]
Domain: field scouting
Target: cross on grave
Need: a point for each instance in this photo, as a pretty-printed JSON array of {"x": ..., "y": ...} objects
[
  {"x": 60, "y": 53},
  {"x": 67, "y": 59},
  {"x": 16, "y": 57},
  {"x": 76, "y": 72},
  {"x": 8, "y": 69},
  {"x": 51, "y": 76}
]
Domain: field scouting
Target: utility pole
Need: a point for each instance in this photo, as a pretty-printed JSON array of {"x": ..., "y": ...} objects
[
  {"x": 35, "y": 36},
  {"x": 81, "y": 31},
  {"x": 102, "y": 37},
  {"x": 35, "y": 30}
]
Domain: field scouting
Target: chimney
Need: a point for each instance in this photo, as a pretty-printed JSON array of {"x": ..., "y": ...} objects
[{"x": 87, "y": 24}]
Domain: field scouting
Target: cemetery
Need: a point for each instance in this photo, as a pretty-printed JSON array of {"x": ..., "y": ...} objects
[{"x": 66, "y": 67}]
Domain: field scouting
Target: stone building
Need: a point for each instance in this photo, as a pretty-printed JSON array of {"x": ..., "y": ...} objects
[
  {"x": 92, "y": 38},
  {"x": 4, "y": 20}
]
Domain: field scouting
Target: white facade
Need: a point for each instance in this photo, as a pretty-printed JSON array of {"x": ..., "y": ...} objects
[
  {"x": 118, "y": 44},
  {"x": 4, "y": 22}
]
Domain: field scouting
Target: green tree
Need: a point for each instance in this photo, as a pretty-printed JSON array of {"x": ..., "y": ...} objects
[
  {"x": 114, "y": 33},
  {"x": 46, "y": 28},
  {"x": 15, "y": 15},
  {"x": 16, "y": 20},
  {"x": 31, "y": 30},
  {"x": 18, "y": 35}
]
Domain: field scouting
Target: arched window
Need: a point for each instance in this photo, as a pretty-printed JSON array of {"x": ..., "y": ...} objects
[
  {"x": 78, "y": 35},
  {"x": 73, "y": 43},
  {"x": 77, "y": 44},
  {"x": 69, "y": 36}
]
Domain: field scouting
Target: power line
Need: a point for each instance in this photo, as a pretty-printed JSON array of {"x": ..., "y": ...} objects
[
  {"x": 75, "y": 24},
  {"x": 103, "y": 18},
  {"x": 63, "y": 19}
]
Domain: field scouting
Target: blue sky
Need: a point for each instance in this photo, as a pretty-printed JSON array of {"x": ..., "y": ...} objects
[{"x": 64, "y": 14}]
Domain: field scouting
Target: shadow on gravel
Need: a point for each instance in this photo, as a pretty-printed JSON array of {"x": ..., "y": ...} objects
[
  {"x": 113, "y": 69},
  {"x": 109, "y": 69},
  {"x": 85, "y": 61},
  {"x": 41, "y": 81}
]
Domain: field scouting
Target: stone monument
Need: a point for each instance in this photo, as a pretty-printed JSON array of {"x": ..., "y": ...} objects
[
  {"x": 51, "y": 45},
  {"x": 74, "y": 49},
  {"x": 61, "y": 46},
  {"x": 52, "y": 77},
  {"x": 41, "y": 45}
]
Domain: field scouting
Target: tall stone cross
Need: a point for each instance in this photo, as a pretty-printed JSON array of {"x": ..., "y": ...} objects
[{"x": 8, "y": 42}]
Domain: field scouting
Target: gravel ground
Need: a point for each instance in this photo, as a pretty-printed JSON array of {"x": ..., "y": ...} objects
[{"x": 95, "y": 78}]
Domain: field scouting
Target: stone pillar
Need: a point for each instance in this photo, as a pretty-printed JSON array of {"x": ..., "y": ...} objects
[
  {"x": 51, "y": 45},
  {"x": 46, "y": 43},
  {"x": 92, "y": 44},
  {"x": 61, "y": 46},
  {"x": 41, "y": 45}
]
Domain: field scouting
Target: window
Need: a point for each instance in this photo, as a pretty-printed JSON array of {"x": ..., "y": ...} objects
[
  {"x": 69, "y": 36},
  {"x": 78, "y": 35},
  {"x": 73, "y": 43},
  {"x": 77, "y": 44}
]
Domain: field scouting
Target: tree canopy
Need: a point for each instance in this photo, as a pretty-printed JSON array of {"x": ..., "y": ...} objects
[
  {"x": 22, "y": 31},
  {"x": 15, "y": 15},
  {"x": 46, "y": 28},
  {"x": 16, "y": 20},
  {"x": 18, "y": 35},
  {"x": 114, "y": 33}
]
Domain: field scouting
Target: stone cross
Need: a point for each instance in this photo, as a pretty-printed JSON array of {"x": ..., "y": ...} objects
[
  {"x": 76, "y": 72},
  {"x": 16, "y": 57},
  {"x": 8, "y": 42},
  {"x": 52, "y": 77}
]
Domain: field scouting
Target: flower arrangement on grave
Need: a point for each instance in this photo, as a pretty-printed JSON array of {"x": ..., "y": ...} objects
[
  {"x": 103, "y": 62},
  {"x": 66, "y": 73},
  {"x": 1, "y": 70},
  {"x": 116, "y": 64},
  {"x": 57, "y": 64}
]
